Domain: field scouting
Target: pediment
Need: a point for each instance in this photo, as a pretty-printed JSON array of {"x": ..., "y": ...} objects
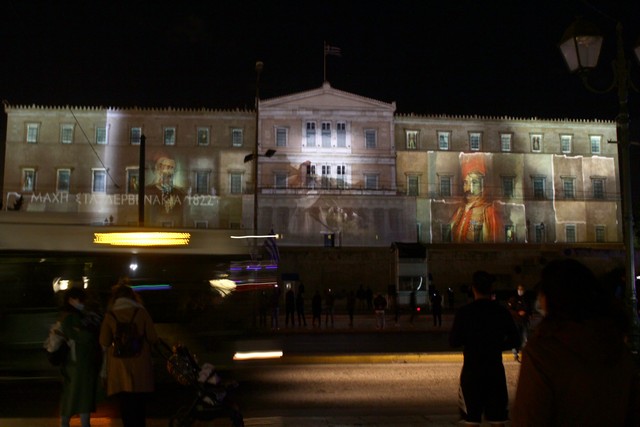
[{"x": 327, "y": 98}]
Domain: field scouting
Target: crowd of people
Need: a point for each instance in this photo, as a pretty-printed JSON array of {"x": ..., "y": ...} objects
[
  {"x": 93, "y": 366},
  {"x": 576, "y": 364},
  {"x": 577, "y": 368}
]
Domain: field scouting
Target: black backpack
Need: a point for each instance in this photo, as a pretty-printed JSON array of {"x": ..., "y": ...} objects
[{"x": 127, "y": 341}]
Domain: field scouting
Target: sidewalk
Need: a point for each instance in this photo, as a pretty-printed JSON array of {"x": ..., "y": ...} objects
[{"x": 408, "y": 421}]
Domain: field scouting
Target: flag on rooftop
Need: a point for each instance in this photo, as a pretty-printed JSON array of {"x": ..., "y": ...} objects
[
  {"x": 271, "y": 247},
  {"x": 332, "y": 50}
]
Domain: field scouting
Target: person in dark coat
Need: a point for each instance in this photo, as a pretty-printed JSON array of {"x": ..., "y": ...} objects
[
  {"x": 436, "y": 308},
  {"x": 81, "y": 368},
  {"x": 484, "y": 329},
  {"x": 302, "y": 319},
  {"x": 521, "y": 311},
  {"x": 351, "y": 306},
  {"x": 316, "y": 309},
  {"x": 576, "y": 367},
  {"x": 289, "y": 307}
]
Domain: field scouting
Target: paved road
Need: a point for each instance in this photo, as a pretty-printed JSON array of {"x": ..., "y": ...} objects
[{"x": 33, "y": 402}]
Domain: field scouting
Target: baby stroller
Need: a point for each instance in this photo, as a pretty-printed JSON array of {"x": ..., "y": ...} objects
[{"x": 211, "y": 394}]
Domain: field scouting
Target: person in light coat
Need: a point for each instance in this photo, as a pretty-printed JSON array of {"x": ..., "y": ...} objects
[{"x": 128, "y": 379}]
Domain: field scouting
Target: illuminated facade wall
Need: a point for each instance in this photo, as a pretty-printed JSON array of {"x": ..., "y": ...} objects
[
  {"x": 88, "y": 170},
  {"x": 345, "y": 165},
  {"x": 480, "y": 179}
]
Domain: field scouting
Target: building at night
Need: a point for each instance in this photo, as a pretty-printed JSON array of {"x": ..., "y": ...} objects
[{"x": 334, "y": 169}]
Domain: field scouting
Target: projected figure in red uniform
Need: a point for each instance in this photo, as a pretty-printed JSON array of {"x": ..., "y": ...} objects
[{"x": 476, "y": 220}]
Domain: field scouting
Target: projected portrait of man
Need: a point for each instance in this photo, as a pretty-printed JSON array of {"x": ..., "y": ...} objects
[
  {"x": 476, "y": 220},
  {"x": 164, "y": 198}
]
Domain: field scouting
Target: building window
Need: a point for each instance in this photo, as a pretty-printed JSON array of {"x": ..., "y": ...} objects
[
  {"x": 341, "y": 128},
  {"x": 101, "y": 135},
  {"x": 595, "y": 144},
  {"x": 370, "y": 181},
  {"x": 341, "y": 180},
  {"x": 280, "y": 179},
  {"x": 33, "y": 130},
  {"x": 445, "y": 230},
  {"x": 133, "y": 180},
  {"x": 66, "y": 134},
  {"x": 445, "y": 186},
  {"x": 412, "y": 139},
  {"x": 413, "y": 188},
  {"x": 201, "y": 224},
  {"x": 539, "y": 231},
  {"x": 568, "y": 187},
  {"x": 538, "y": 187},
  {"x": 202, "y": 182},
  {"x": 237, "y": 137},
  {"x": 598, "y": 188},
  {"x": 311, "y": 176},
  {"x": 28, "y": 180},
  {"x": 169, "y": 135},
  {"x": 235, "y": 183},
  {"x": 370, "y": 137},
  {"x": 325, "y": 178},
  {"x": 63, "y": 180},
  {"x": 99, "y": 181},
  {"x": 443, "y": 140},
  {"x": 311, "y": 134},
  {"x": 326, "y": 135},
  {"x": 475, "y": 139},
  {"x": 281, "y": 137},
  {"x": 203, "y": 136},
  {"x": 505, "y": 142},
  {"x": 565, "y": 144},
  {"x": 570, "y": 233},
  {"x": 510, "y": 233},
  {"x": 600, "y": 234},
  {"x": 536, "y": 143},
  {"x": 507, "y": 186},
  {"x": 135, "y": 133}
]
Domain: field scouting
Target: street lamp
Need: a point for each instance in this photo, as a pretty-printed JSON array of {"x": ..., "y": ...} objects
[
  {"x": 580, "y": 46},
  {"x": 259, "y": 67}
]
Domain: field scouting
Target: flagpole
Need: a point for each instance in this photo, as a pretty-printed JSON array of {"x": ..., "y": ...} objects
[{"x": 324, "y": 62}]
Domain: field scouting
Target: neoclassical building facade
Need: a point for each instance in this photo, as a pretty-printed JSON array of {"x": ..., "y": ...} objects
[{"x": 332, "y": 166}]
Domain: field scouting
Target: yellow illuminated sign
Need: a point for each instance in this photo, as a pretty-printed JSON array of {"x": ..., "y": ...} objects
[{"x": 142, "y": 239}]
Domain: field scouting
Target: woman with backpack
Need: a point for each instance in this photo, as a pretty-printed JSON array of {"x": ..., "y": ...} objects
[
  {"x": 82, "y": 363},
  {"x": 127, "y": 335}
]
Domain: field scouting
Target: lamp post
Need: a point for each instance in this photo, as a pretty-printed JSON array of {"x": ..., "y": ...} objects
[
  {"x": 259, "y": 67},
  {"x": 580, "y": 47}
]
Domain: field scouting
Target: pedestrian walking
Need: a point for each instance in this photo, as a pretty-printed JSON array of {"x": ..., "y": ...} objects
[
  {"x": 484, "y": 329},
  {"x": 413, "y": 305},
  {"x": 521, "y": 311},
  {"x": 351, "y": 306},
  {"x": 302, "y": 319},
  {"x": 316, "y": 310},
  {"x": 576, "y": 367},
  {"x": 379, "y": 306},
  {"x": 80, "y": 326},
  {"x": 330, "y": 300},
  {"x": 289, "y": 307},
  {"x": 128, "y": 378},
  {"x": 436, "y": 308},
  {"x": 275, "y": 308},
  {"x": 361, "y": 296}
]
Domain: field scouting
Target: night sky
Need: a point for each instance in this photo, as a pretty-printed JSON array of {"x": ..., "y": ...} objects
[{"x": 463, "y": 57}]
